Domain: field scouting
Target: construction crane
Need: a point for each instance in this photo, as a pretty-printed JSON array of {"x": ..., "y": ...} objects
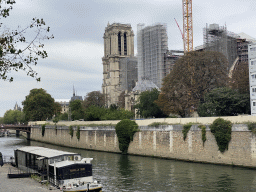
[{"x": 187, "y": 25}]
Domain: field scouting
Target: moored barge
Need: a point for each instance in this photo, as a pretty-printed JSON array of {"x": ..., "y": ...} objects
[{"x": 65, "y": 170}]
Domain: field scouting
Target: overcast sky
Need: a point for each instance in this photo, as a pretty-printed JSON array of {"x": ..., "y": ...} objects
[{"x": 74, "y": 55}]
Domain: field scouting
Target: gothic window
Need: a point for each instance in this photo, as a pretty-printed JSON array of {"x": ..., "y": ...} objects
[
  {"x": 125, "y": 44},
  {"x": 119, "y": 43}
]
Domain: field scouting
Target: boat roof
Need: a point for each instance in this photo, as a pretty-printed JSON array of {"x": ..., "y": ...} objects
[
  {"x": 66, "y": 163},
  {"x": 45, "y": 152}
]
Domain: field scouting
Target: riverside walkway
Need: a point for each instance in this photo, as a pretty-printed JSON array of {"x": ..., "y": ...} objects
[{"x": 20, "y": 184}]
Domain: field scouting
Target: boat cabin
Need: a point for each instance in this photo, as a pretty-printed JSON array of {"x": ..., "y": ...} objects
[
  {"x": 67, "y": 173},
  {"x": 37, "y": 159}
]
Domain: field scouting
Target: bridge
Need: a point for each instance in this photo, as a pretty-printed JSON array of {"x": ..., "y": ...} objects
[{"x": 18, "y": 128}]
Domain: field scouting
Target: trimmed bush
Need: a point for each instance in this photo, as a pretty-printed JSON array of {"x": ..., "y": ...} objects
[
  {"x": 125, "y": 130},
  {"x": 203, "y": 128},
  {"x": 252, "y": 127},
  {"x": 71, "y": 132},
  {"x": 221, "y": 129},
  {"x": 186, "y": 129},
  {"x": 43, "y": 130},
  {"x": 78, "y": 133}
]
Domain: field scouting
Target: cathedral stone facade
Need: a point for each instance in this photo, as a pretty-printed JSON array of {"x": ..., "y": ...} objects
[{"x": 118, "y": 44}]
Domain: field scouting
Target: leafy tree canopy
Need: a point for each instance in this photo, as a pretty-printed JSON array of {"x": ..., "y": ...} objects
[
  {"x": 147, "y": 106},
  {"x": 193, "y": 75},
  {"x": 13, "y": 117},
  {"x": 77, "y": 111},
  {"x": 19, "y": 49},
  {"x": 125, "y": 130},
  {"x": 240, "y": 78},
  {"x": 94, "y": 113},
  {"x": 224, "y": 102},
  {"x": 38, "y": 105},
  {"x": 1, "y": 120},
  {"x": 95, "y": 98},
  {"x": 64, "y": 116}
]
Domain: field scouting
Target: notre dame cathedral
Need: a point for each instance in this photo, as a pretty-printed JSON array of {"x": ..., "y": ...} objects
[{"x": 119, "y": 65}]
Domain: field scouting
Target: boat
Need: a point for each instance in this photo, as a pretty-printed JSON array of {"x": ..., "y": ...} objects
[
  {"x": 74, "y": 176},
  {"x": 65, "y": 170}
]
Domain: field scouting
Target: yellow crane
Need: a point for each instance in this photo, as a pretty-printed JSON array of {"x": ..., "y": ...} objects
[{"x": 187, "y": 25}]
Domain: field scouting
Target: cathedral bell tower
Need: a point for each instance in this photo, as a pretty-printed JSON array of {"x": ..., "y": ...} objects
[{"x": 118, "y": 43}]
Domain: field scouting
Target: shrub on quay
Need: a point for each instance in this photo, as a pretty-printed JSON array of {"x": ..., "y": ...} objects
[
  {"x": 221, "y": 129},
  {"x": 125, "y": 130}
]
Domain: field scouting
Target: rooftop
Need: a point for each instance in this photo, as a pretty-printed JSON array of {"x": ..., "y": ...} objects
[{"x": 45, "y": 152}]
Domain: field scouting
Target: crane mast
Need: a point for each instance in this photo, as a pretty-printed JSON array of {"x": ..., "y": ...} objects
[{"x": 187, "y": 25}]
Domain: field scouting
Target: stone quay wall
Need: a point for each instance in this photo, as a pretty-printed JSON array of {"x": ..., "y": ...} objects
[{"x": 165, "y": 141}]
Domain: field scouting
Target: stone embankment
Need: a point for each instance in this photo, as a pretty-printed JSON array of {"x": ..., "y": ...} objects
[
  {"x": 21, "y": 184},
  {"x": 164, "y": 141}
]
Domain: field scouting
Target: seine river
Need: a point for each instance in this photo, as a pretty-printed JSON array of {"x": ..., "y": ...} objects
[{"x": 119, "y": 173}]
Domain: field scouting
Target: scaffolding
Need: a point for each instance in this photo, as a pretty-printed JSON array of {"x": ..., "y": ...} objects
[
  {"x": 128, "y": 73},
  {"x": 152, "y": 43},
  {"x": 217, "y": 38}
]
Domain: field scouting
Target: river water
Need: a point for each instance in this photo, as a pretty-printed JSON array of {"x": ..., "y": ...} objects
[{"x": 119, "y": 173}]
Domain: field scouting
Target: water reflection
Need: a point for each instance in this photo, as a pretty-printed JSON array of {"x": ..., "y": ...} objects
[
  {"x": 225, "y": 183},
  {"x": 125, "y": 169},
  {"x": 119, "y": 173}
]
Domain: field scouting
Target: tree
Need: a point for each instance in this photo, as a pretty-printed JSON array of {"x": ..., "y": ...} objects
[
  {"x": 224, "y": 102},
  {"x": 19, "y": 49},
  {"x": 38, "y": 105},
  {"x": 57, "y": 109},
  {"x": 193, "y": 75},
  {"x": 1, "y": 120},
  {"x": 77, "y": 111},
  {"x": 94, "y": 113},
  {"x": 240, "y": 78},
  {"x": 13, "y": 117},
  {"x": 147, "y": 106},
  {"x": 125, "y": 130},
  {"x": 63, "y": 116},
  {"x": 95, "y": 98}
]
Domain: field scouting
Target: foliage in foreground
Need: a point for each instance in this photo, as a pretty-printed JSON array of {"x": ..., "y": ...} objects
[
  {"x": 43, "y": 130},
  {"x": 252, "y": 127},
  {"x": 224, "y": 102},
  {"x": 94, "y": 113},
  {"x": 13, "y": 117},
  {"x": 193, "y": 75},
  {"x": 21, "y": 48},
  {"x": 203, "y": 128},
  {"x": 125, "y": 130},
  {"x": 221, "y": 129},
  {"x": 71, "y": 131},
  {"x": 38, "y": 105},
  {"x": 147, "y": 106},
  {"x": 78, "y": 132},
  {"x": 186, "y": 129}
]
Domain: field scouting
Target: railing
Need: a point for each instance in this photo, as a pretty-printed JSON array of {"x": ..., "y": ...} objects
[{"x": 18, "y": 173}]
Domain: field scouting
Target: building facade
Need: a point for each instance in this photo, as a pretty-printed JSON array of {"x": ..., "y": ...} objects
[
  {"x": 170, "y": 57},
  {"x": 118, "y": 44},
  {"x": 152, "y": 44},
  {"x": 252, "y": 76}
]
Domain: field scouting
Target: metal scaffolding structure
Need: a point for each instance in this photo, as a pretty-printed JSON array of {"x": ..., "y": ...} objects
[
  {"x": 152, "y": 44},
  {"x": 128, "y": 73},
  {"x": 217, "y": 38}
]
